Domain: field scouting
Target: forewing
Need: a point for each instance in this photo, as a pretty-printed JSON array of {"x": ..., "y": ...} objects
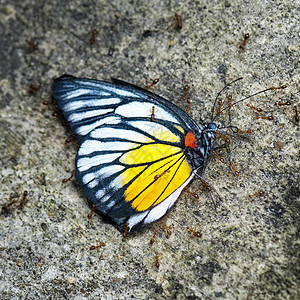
[{"x": 87, "y": 104}]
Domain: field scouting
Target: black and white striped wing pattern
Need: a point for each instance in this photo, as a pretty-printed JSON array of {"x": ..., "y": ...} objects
[{"x": 87, "y": 104}]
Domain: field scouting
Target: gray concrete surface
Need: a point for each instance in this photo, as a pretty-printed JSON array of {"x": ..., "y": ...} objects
[{"x": 249, "y": 247}]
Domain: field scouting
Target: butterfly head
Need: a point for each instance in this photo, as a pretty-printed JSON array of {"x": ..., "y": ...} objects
[
  {"x": 209, "y": 132},
  {"x": 207, "y": 139}
]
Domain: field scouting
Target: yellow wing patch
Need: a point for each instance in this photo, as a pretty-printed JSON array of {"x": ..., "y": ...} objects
[
  {"x": 179, "y": 128},
  {"x": 167, "y": 171},
  {"x": 148, "y": 153}
]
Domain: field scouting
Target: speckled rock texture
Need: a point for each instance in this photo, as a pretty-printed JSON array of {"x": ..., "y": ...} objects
[{"x": 250, "y": 245}]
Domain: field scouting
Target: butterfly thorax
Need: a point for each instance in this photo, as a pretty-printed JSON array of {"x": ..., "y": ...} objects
[{"x": 199, "y": 149}]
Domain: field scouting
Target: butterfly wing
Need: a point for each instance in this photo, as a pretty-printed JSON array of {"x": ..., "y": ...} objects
[
  {"x": 131, "y": 167},
  {"x": 87, "y": 104},
  {"x": 133, "y": 171}
]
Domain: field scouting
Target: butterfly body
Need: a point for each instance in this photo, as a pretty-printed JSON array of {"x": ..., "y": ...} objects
[{"x": 137, "y": 150}]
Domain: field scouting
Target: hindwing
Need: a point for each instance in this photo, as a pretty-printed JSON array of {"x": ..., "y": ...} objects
[{"x": 129, "y": 168}]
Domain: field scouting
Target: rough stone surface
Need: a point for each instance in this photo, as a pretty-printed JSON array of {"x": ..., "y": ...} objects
[{"x": 249, "y": 247}]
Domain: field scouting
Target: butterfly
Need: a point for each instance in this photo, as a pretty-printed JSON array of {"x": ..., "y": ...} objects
[{"x": 137, "y": 150}]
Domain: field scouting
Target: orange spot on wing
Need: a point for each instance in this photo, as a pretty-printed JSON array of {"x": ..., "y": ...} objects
[{"x": 190, "y": 140}]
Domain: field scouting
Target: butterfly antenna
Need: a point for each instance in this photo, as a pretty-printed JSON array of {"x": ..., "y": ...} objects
[
  {"x": 255, "y": 94},
  {"x": 225, "y": 87}
]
